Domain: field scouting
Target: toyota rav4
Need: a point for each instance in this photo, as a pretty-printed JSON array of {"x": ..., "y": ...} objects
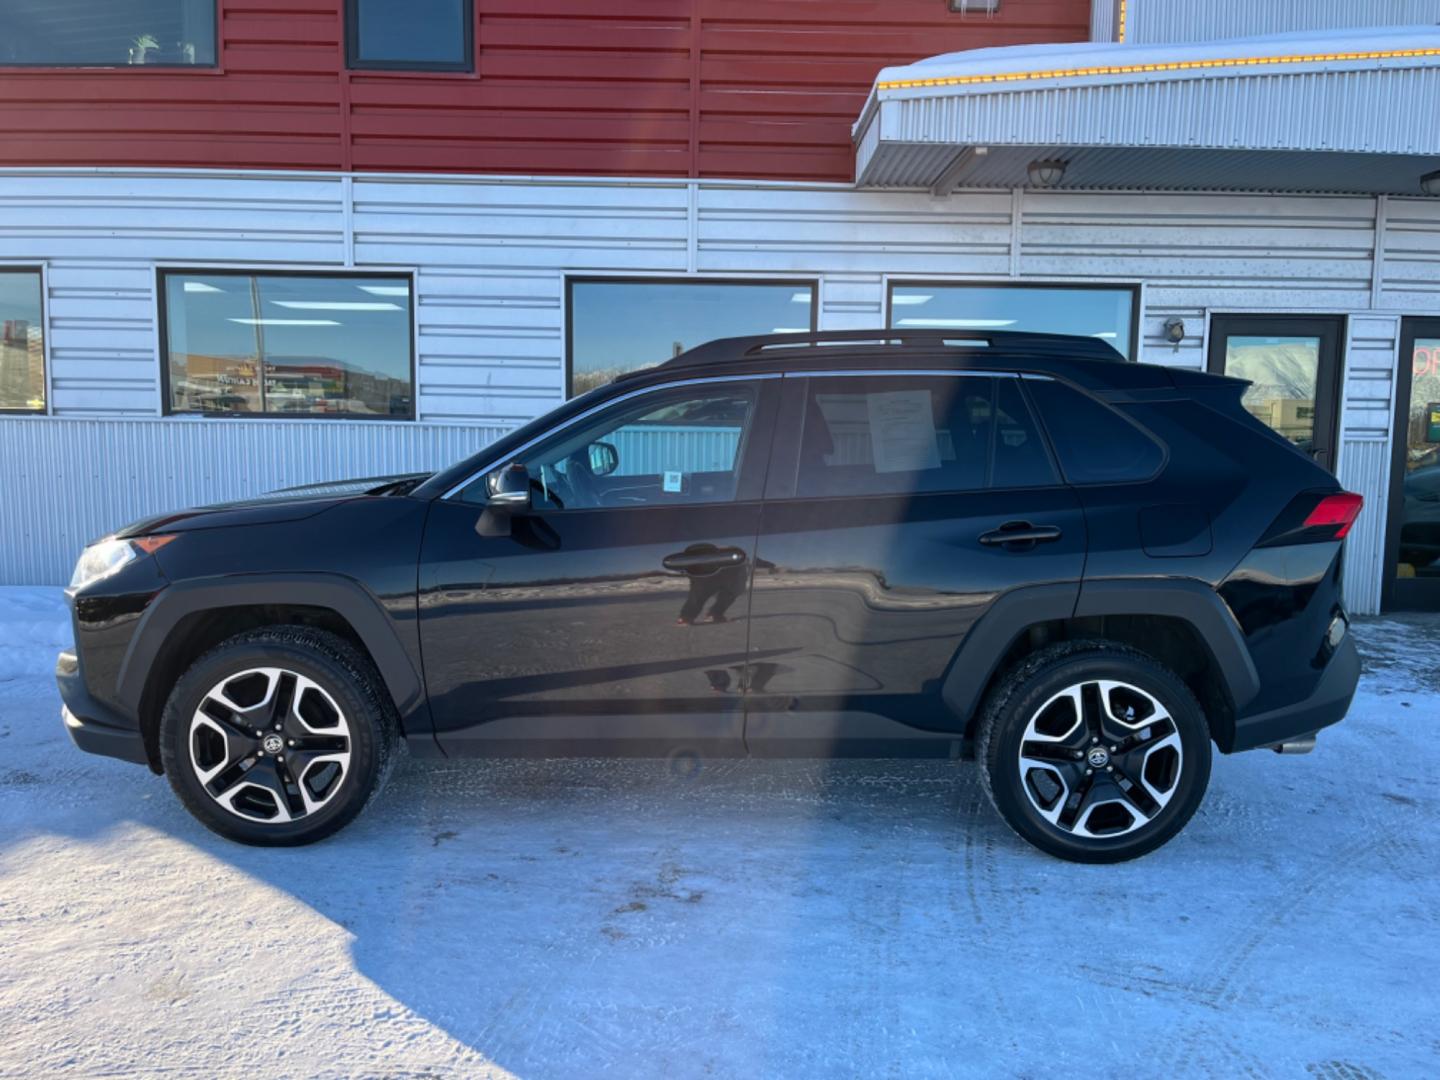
[{"x": 1082, "y": 572}]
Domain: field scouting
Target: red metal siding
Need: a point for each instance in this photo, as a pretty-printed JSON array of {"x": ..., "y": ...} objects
[{"x": 728, "y": 88}]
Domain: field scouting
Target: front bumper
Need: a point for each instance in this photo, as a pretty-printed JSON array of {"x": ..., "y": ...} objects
[
  {"x": 92, "y": 726},
  {"x": 1327, "y": 705}
]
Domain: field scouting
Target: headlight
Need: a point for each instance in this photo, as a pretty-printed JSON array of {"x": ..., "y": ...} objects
[{"x": 106, "y": 557}]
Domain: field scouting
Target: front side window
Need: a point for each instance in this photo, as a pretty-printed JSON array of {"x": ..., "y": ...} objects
[
  {"x": 22, "y": 343},
  {"x": 1107, "y": 313},
  {"x": 416, "y": 35},
  {"x": 620, "y": 326},
  {"x": 667, "y": 448},
  {"x": 288, "y": 344},
  {"x": 900, "y": 435},
  {"x": 107, "y": 33}
]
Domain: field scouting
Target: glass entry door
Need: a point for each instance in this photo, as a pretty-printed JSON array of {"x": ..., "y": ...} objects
[
  {"x": 1293, "y": 364},
  {"x": 1412, "y": 561}
]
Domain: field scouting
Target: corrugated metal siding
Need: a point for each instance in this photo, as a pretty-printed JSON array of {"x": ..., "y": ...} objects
[
  {"x": 742, "y": 88},
  {"x": 1364, "y": 468},
  {"x": 491, "y": 255},
  {"x": 70, "y": 481},
  {"x": 1155, "y": 21}
]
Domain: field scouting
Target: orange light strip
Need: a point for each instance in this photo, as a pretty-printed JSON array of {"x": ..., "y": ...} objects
[
  {"x": 1178, "y": 65},
  {"x": 1120, "y": 37}
]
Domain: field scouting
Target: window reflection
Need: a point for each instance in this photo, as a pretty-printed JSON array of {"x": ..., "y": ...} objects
[
  {"x": 1104, "y": 313},
  {"x": 1284, "y": 374},
  {"x": 22, "y": 346},
  {"x": 420, "y": 34},
  {"x": 107, "y": 33},
  {"x": 1420, "y": 487},
  {"x": 289, "y": 344},
  {"x": 619, "y": 326}
]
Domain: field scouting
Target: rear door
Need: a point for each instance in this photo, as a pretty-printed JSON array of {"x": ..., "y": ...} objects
[{"x": 900, "y": 507}]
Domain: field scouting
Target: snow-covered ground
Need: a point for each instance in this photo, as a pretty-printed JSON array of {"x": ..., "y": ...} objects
[{"x": 579, "y": 919}]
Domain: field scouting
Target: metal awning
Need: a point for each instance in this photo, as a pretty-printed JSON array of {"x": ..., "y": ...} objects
[{"x": 1332, "y": 111}]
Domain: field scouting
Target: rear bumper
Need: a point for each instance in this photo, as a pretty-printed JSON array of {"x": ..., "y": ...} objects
[
  {"x": 1326, "y": 706},
  {"x": 93, "y": 727}
]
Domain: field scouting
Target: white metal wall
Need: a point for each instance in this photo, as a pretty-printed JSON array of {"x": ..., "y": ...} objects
[
  {"x": 1191, "y": 20},
  {"x": 491, "y": 255}
]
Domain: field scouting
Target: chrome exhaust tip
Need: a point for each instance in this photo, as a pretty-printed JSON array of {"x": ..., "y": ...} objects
[{"x": 1301, "y": 744}]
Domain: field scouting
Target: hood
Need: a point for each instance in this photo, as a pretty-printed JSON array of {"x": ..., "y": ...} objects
[{"x": 287, "y": 504}]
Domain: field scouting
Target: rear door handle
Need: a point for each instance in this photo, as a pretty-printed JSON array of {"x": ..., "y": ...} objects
[
  {"x": 703, "y": 562},
  {"x": 1021, "y": 532}
]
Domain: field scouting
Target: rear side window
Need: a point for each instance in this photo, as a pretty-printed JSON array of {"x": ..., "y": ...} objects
[
  {"x": 893, "y": 435},
  {"x": 1095, "y": 444}
]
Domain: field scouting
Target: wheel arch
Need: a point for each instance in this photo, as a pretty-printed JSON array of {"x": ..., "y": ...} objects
[
  {"x": 1181, "y": 623},
  {"x": 188, "y": 619}
]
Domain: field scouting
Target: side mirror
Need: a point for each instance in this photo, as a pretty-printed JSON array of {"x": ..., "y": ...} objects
[
  {"x": 508, "y": 488},
  {"x": 604, "y": 459}
]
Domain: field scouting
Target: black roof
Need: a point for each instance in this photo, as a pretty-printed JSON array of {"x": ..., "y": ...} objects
[{"x": 1087, "y": 360}]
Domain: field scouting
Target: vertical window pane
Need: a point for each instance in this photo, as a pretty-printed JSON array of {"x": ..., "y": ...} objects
[
  {"x": 289, "y": 345},
  {"x": 619, "y": 326},
  {"x": 1420, "y": 487},
  {"x": 896, "y": 435},
  {"x": 22, "y": 345},
  {"x": 1104, "y": 313},
  {"x": 422, "y": 33},
  {"x": 1284, "y": 374},
  {"x": 107, "y": 33}
]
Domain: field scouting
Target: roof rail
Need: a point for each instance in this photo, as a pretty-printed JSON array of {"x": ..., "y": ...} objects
[{"x": 734, "y": 349}]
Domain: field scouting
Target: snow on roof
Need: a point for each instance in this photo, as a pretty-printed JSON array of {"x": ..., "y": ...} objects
[{"x": 1101, "y": 58}]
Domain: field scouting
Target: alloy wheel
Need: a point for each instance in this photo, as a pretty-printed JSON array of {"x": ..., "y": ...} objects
[
  {"x": 270, "y": 745},
  {"x": 1100, "y": 759}
]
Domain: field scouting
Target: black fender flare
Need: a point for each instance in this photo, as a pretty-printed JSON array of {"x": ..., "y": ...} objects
[
  {"x": 335, "y": 592},
  {"x": 1014, "y": 612},
  {"x": 980, "y": 653}
]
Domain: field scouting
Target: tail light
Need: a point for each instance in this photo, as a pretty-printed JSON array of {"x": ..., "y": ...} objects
[
  {"x": 1314, "y": 517},
  {"x": 1335, "y": 512}
]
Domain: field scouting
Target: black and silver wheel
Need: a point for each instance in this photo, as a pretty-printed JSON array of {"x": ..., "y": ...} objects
[
  {"x": 277, "y": 736},
  {"x": 1094, "y": 752}
]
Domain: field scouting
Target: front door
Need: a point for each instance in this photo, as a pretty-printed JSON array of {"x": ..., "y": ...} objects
[
  {"x": 1412, "y": 559},
  {"x": 899, "y": 508},
  {"x": 1293, "y": 364},
  {"x": 613, "y": 615}
]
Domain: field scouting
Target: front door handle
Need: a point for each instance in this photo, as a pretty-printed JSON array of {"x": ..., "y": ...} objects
[
  {"x": 706, "y": 561},
  {"x": 1021, "y": 532}
]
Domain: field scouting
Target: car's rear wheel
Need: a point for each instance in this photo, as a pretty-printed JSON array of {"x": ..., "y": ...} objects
[
  {"x": 1094, "y": 752},
  {"x": 278, "y": 736}
]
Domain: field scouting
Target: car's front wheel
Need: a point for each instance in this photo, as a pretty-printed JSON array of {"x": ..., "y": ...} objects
[
  {"x": 278, "y": 736},
  {"x": 1093, "y": 751}
]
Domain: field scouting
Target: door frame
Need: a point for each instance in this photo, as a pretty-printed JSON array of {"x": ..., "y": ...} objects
[
  {"x": 1404, "y": 594},
  {"x": 1330, "y": 329}
]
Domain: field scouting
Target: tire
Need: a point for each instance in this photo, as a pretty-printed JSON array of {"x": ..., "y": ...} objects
[
  {"x": 1147, "y": 768},
  {"x": 227, "y": 760}
]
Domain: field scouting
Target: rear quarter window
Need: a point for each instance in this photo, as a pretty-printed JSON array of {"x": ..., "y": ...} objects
[{"x": 1094, "y": 442}]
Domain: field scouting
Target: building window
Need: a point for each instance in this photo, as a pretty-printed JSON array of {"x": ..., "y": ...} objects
[
  {"x": 1105, "y": 312},
  {"x": 22, "y": 342},
  {"x": 619, "y": 326},
  {"x": 107, "y": 33},
  {"x": 288, "y": 344},
  {"x": 417, "y": 35}
]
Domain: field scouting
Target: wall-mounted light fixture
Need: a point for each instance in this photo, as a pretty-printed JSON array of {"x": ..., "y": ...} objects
[
  {"x": 1045, "y": 173},
  {"x": 1175, "y": 330},
  {"x": 974, "y": 7},
  {"x": 1430, "y": 183}
]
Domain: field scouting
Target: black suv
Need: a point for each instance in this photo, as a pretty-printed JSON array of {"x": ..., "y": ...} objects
[{"x": 1014, "y": 547}]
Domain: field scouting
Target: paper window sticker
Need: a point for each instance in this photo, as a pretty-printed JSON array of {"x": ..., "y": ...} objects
[
  {"x": 902, "y": 431},
  {"x": 673, "y": 482}
]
